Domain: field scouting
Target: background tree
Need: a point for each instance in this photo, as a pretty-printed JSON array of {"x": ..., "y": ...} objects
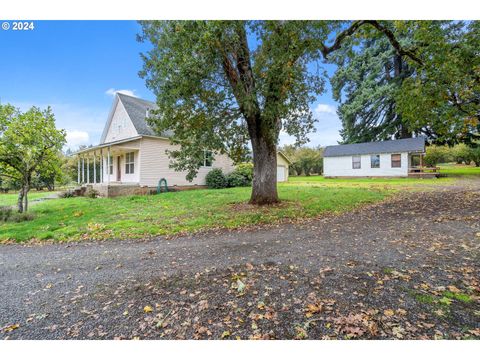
[
  {"x": 221, "y": 83},
  {"x": 305, "y": 160},
  {"x": 444, "y": 93},
  {"x": 29, "y": 144},
  {"x": 370, "y": 72}
]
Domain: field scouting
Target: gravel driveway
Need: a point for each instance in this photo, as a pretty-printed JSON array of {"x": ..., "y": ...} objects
[{"x": 404, "y": 268}]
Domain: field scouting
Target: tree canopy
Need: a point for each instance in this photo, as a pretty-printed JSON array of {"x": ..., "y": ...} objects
[
  {"x": 443, "y": 95},
  {"x": 29, "y": 145},
  {"x": 220, "y": 84},
  {"x": 384, "y": 94}
]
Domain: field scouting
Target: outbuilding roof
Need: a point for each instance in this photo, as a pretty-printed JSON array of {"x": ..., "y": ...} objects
[{"x": 389, "y": 146}]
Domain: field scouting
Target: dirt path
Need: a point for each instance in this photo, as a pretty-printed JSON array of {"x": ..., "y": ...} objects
[{"x": 407, "y": 268}]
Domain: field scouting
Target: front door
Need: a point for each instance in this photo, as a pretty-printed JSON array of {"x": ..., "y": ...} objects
[{"x": 119, "y": 170}]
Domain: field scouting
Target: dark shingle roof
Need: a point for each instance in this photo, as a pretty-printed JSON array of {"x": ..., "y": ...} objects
[
  {"x": 137, "y": 110},
  {"x": 389, "y": 146}
]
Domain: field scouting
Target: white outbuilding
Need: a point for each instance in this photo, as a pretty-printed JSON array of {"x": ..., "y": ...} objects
[{"x": 391, "y": 158}]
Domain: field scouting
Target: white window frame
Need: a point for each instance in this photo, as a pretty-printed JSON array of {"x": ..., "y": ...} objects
[
  {"x": 354, "y": 162},
  {"x": 130, "y": 163},
  {"x": 110, "y": 164},
  {"x": 204, "y": 163},
  {"x": 399, "y": 161},
  {"x": 371, "y": 161}
]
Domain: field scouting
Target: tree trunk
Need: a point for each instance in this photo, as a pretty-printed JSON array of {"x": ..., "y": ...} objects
[
  {"x": 27, "y": 188},
  {"x": 264, "y": 187},
  {"x": 20, "y": 200}
]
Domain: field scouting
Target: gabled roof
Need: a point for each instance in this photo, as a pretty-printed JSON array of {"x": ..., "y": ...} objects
[
  {"x": 281, "y": 153},
  {"x": 136, "y": 109},
  {"x": 388, "y": 146}
]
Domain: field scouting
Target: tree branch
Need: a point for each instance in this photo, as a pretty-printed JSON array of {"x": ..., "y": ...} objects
[{"x": 326, "y": 50}]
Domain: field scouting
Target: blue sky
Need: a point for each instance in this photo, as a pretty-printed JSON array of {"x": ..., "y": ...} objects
[{"x": 76, "y": 67}]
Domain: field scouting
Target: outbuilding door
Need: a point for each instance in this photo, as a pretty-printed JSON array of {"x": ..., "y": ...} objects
[{"x": 280, "y": 173}]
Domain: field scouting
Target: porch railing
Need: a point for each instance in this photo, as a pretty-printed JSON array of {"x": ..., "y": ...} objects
[{"x": 423, "y": 170}]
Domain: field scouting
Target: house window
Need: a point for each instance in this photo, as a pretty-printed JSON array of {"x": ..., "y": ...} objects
[
  {"x": 356, "y": 162},
  {"x": 130, "y": 163},
  {"x": 110, "y": 165},
  {"x": 396, "y": 160},
  {"x": 375, "y": 161},
  {"x": 207, "y": 158}
]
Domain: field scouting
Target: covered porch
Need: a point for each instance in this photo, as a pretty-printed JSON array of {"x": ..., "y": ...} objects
[
  {"x": 418, "y": 169},
  {"x": 109, "y": 164}
]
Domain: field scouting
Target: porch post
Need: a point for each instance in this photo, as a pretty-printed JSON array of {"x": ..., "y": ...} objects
[
  {"x": 83, "y": 170},
  {"x": 101, "y": 165},
  {"x": 421, "y": 161},
  {"x": 88, "y": 169},
  {"x": 95, "y": 167},
  {"x": 108, "y": 165},
  {"x": 78, "y": 170}
]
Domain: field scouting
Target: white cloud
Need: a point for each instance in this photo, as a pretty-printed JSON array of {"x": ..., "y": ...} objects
[
  {"x": 73, "y": 117},
  {"x": 75, "y": 138},
  {"x": 325, "y": 108},
  {"x": 112, "y": 92},
  {"x": 327, "y": 127}
]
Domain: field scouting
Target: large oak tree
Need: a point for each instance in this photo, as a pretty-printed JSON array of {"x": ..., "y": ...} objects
[{"x": 219, "y": 84}]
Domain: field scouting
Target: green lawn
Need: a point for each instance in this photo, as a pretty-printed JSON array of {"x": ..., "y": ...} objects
[
  {"x": 190, "y": 211},
  {"x": 11, "y": 198}
]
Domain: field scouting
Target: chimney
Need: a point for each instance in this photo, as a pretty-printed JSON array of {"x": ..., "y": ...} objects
[{"x": 147, "y": 112}]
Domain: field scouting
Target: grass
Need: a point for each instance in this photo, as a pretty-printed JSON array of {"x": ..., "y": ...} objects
[
  {"x": 177, "y": 212},
  {"x": 191, "y": 211},
  {"x": 455, "y": 170},
  {"x": 11, "y": 198}
]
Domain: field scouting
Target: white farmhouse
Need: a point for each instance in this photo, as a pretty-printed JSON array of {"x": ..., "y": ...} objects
[
  {"x": 395, "y": 158},
  {"x": 131, "y": 158}
]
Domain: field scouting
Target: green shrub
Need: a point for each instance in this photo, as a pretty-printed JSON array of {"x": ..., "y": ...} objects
[
  {"x": 92, "y": 193},
  {"x": 236, "y": 179},
  {"x": 66, "y": 194},
  {"x": 215, "y": 179},
  {"x": 6, "y": 213},
  {"x": 474, "y": 155},
  {"x": 21, "y": 217},
  {"x": 460, "y": 153},
  {"x": 437, "y": 154},
  {"x": 246, "y": 170}
]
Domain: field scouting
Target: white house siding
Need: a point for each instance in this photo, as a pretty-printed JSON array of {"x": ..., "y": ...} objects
[
  {"x": 342, "y": 166},
  {"x": 121, "y": 126},
  {"x": 154, "y": 164},
  {"x": 115, "y": 152}
]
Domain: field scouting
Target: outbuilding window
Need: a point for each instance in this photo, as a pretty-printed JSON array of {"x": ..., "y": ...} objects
[
  {"x": 130, "y": 163},
  {"x": 375, "y": 161},
  {"x": 396, "y": 160},
  {"x": 356, "y": 162}
]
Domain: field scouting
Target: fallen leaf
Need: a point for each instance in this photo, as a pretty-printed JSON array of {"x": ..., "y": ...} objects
[
  {"x": 389, "y": 312},
  {"x": 11, "y": 327},
  {"x": 147, "y": 309}
]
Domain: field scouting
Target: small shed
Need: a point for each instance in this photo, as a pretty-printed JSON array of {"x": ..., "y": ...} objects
[{"x": 283, "y": 163}]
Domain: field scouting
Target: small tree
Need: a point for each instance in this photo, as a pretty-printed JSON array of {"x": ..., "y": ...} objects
[
  {"x": 461, "y": 154},
  {"x": 436, "y": 154},
  {"x": 475, "y": 155},
  {"x": 29, "y": 144}
]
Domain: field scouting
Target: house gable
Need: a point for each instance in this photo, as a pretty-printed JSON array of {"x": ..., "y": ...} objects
[{"x": 119, "y": 126}]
